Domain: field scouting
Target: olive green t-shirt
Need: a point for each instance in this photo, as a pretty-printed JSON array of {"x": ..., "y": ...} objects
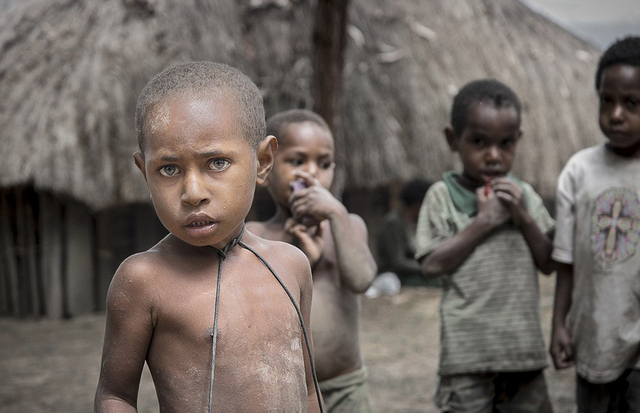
[{"x": 489, "y": 309}]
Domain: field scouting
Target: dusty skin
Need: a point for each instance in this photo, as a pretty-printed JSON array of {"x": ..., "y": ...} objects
[
  {"x": 334, "y": 310},
  {"x": 337, "y": 248},
  {"x": 53, "y": 366},
  {"x": 260, "y": 349},
  {"x": 201, "y": 171}
]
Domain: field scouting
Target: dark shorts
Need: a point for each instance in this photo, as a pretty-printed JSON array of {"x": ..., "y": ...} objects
[
  {"x": 620, "y": 396},
  {"x": 348, "y": 393},
  {"x": 516, "y": 392}
]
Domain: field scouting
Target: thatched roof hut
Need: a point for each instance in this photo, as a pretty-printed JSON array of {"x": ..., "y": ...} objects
[
  {"x": 413, "y": 56},
  {"x": 71, "y": 70}
]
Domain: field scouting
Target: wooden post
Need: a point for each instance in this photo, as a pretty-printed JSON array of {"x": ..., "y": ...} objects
[
  {"x": 10, "y": 260},
  {"x": 31, "y": 260},
  {"x": 329, "y": 48},
  {"x": 79, "y": 259},
  {"x": 21, "y": 248},
  {"x": 51, "y": 238}
]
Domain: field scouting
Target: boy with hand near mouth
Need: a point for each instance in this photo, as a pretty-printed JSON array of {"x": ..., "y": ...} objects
[
  {"x": 486, "y": 234},
  {"x": 334, "y": 241}
]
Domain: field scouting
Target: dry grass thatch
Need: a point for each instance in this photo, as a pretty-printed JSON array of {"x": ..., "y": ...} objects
[{"x": 71, "y": 70}]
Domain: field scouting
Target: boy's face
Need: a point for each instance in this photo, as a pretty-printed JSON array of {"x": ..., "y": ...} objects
[
  {"x": 487, "y": 145},
  {"x": 620, "y": 108},
  {"x": 200, "y": 169},
  {"x": 307, "y": 147}
]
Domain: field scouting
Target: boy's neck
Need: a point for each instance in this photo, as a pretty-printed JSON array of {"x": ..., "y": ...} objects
[
  {"x": 632, "y": 152},
  {"x": 222, "y": 252},
  {"x": 280, "y": 217},
  {"x": 468, "y": 182}
]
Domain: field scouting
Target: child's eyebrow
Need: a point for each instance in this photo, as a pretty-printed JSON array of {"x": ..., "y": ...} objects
[
  {"x": 174, "y": 158},
  {"x": 209, "y": 154}
]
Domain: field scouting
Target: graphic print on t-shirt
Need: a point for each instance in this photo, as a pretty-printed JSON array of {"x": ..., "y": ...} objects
[{"x": 615, "y": 225}]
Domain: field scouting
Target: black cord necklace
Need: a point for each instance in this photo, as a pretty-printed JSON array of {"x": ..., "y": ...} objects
[
  {"x": 222, "y": 253},
  {"x": 467, "y": 182}
]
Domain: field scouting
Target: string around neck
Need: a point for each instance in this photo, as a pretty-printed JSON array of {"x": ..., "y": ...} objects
[{"x": 223, "y": 252}]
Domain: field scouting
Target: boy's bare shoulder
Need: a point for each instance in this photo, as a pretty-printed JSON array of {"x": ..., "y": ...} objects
[
  {"x": 138, "y": 272},
  {"x": 266, "y": 229},
  {"x": 275, "y": 251}
]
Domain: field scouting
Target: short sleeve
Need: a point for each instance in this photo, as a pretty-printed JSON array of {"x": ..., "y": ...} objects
[
  {"x": 539, "y": 212},
  {"x": 565, "y": 216},
  {"x": 433, "y": 227}
]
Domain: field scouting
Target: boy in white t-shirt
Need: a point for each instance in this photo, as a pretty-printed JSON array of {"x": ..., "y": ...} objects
[{"x": 596, "y": 247}]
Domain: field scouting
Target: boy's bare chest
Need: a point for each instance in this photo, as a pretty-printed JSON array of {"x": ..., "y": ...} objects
[
  {"x": 249, "y": 303},
  {"x": 258, "y": 347}
]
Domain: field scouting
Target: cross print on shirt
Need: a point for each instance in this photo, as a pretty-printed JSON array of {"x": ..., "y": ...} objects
[{"x": 616, "y": 225}]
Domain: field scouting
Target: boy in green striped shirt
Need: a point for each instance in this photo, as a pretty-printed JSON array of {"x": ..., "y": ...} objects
[{"x": 486, "y": 234}]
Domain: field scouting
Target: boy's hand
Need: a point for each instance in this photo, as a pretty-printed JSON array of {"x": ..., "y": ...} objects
[
  {"x": 490, "y": 207},
  {"x": 314, "y": 201},
  {"x": 561, "y": 348},
  {"x": 309, "y": 240},
  {"x": 512, "y": 196}
]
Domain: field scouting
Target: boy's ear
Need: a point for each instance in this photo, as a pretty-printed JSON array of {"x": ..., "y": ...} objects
[
  {"x": 139, "y": 160},
  {"x": 452, "y": 139},
  {"x": 267, "y": 150}
]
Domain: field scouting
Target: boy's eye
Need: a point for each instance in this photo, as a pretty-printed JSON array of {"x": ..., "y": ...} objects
[
  {"x": 168, "y": 171},
  {"x": 508, "y": 142},
  {"x": 326, "y": 165},
  {"x": 218, "y": 164},
  {"x": 633, "y": 103},
  {"x": 605, "y": 100},
  {"x": 295, "y": 162}
]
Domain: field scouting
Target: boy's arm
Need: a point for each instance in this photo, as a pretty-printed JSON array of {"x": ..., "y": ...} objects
[
  {"x": 127, "y": 336},
  {"x": 539, "y": 243},
  {"x": 357, "y": 266},
  {"x": 306, "y": 291},
  {"x": 561, "y": 348},
  {"x": 355, "y": 261},
  {"x": 453, "y": 252}
]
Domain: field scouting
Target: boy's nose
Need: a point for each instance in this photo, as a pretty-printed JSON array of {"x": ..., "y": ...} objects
[
  {"x": 493, "y": 153},
  {"x": 194, "y": 192},
  {"x": 617, "y": 113},
  {"x": 312, "y": 169}
]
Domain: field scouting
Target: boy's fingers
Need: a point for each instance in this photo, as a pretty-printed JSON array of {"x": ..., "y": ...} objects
[
  {"x": 308, "y": 178},
  {"x": 482, "y": 196}
]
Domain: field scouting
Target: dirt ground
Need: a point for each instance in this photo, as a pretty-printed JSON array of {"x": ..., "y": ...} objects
[{"x": 53, "y": 366}]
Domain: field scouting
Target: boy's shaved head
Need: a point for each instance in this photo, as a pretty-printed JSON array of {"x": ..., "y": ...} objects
[
  {"x": 277, "y": 123},
  {"x": 199, "y": 79},
  {"x": 625, "y": 51},
  {"x": 499, "y": 94}
]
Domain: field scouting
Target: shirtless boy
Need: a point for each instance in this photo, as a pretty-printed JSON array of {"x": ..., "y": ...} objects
[
  {"x": 335, "y": 242},
  {"x": 203, "y": 148}
]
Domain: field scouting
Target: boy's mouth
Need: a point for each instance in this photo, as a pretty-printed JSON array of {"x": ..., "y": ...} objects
[
  {"x": 488, "y": 177},
  {"x": 199, "y": 222}
]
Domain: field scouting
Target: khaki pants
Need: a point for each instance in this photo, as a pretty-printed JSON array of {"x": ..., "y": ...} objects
[{"x": 348, "y": 393}]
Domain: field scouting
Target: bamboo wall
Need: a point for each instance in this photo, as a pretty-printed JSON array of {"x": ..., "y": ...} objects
[{"x": 57, "y": 258}]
